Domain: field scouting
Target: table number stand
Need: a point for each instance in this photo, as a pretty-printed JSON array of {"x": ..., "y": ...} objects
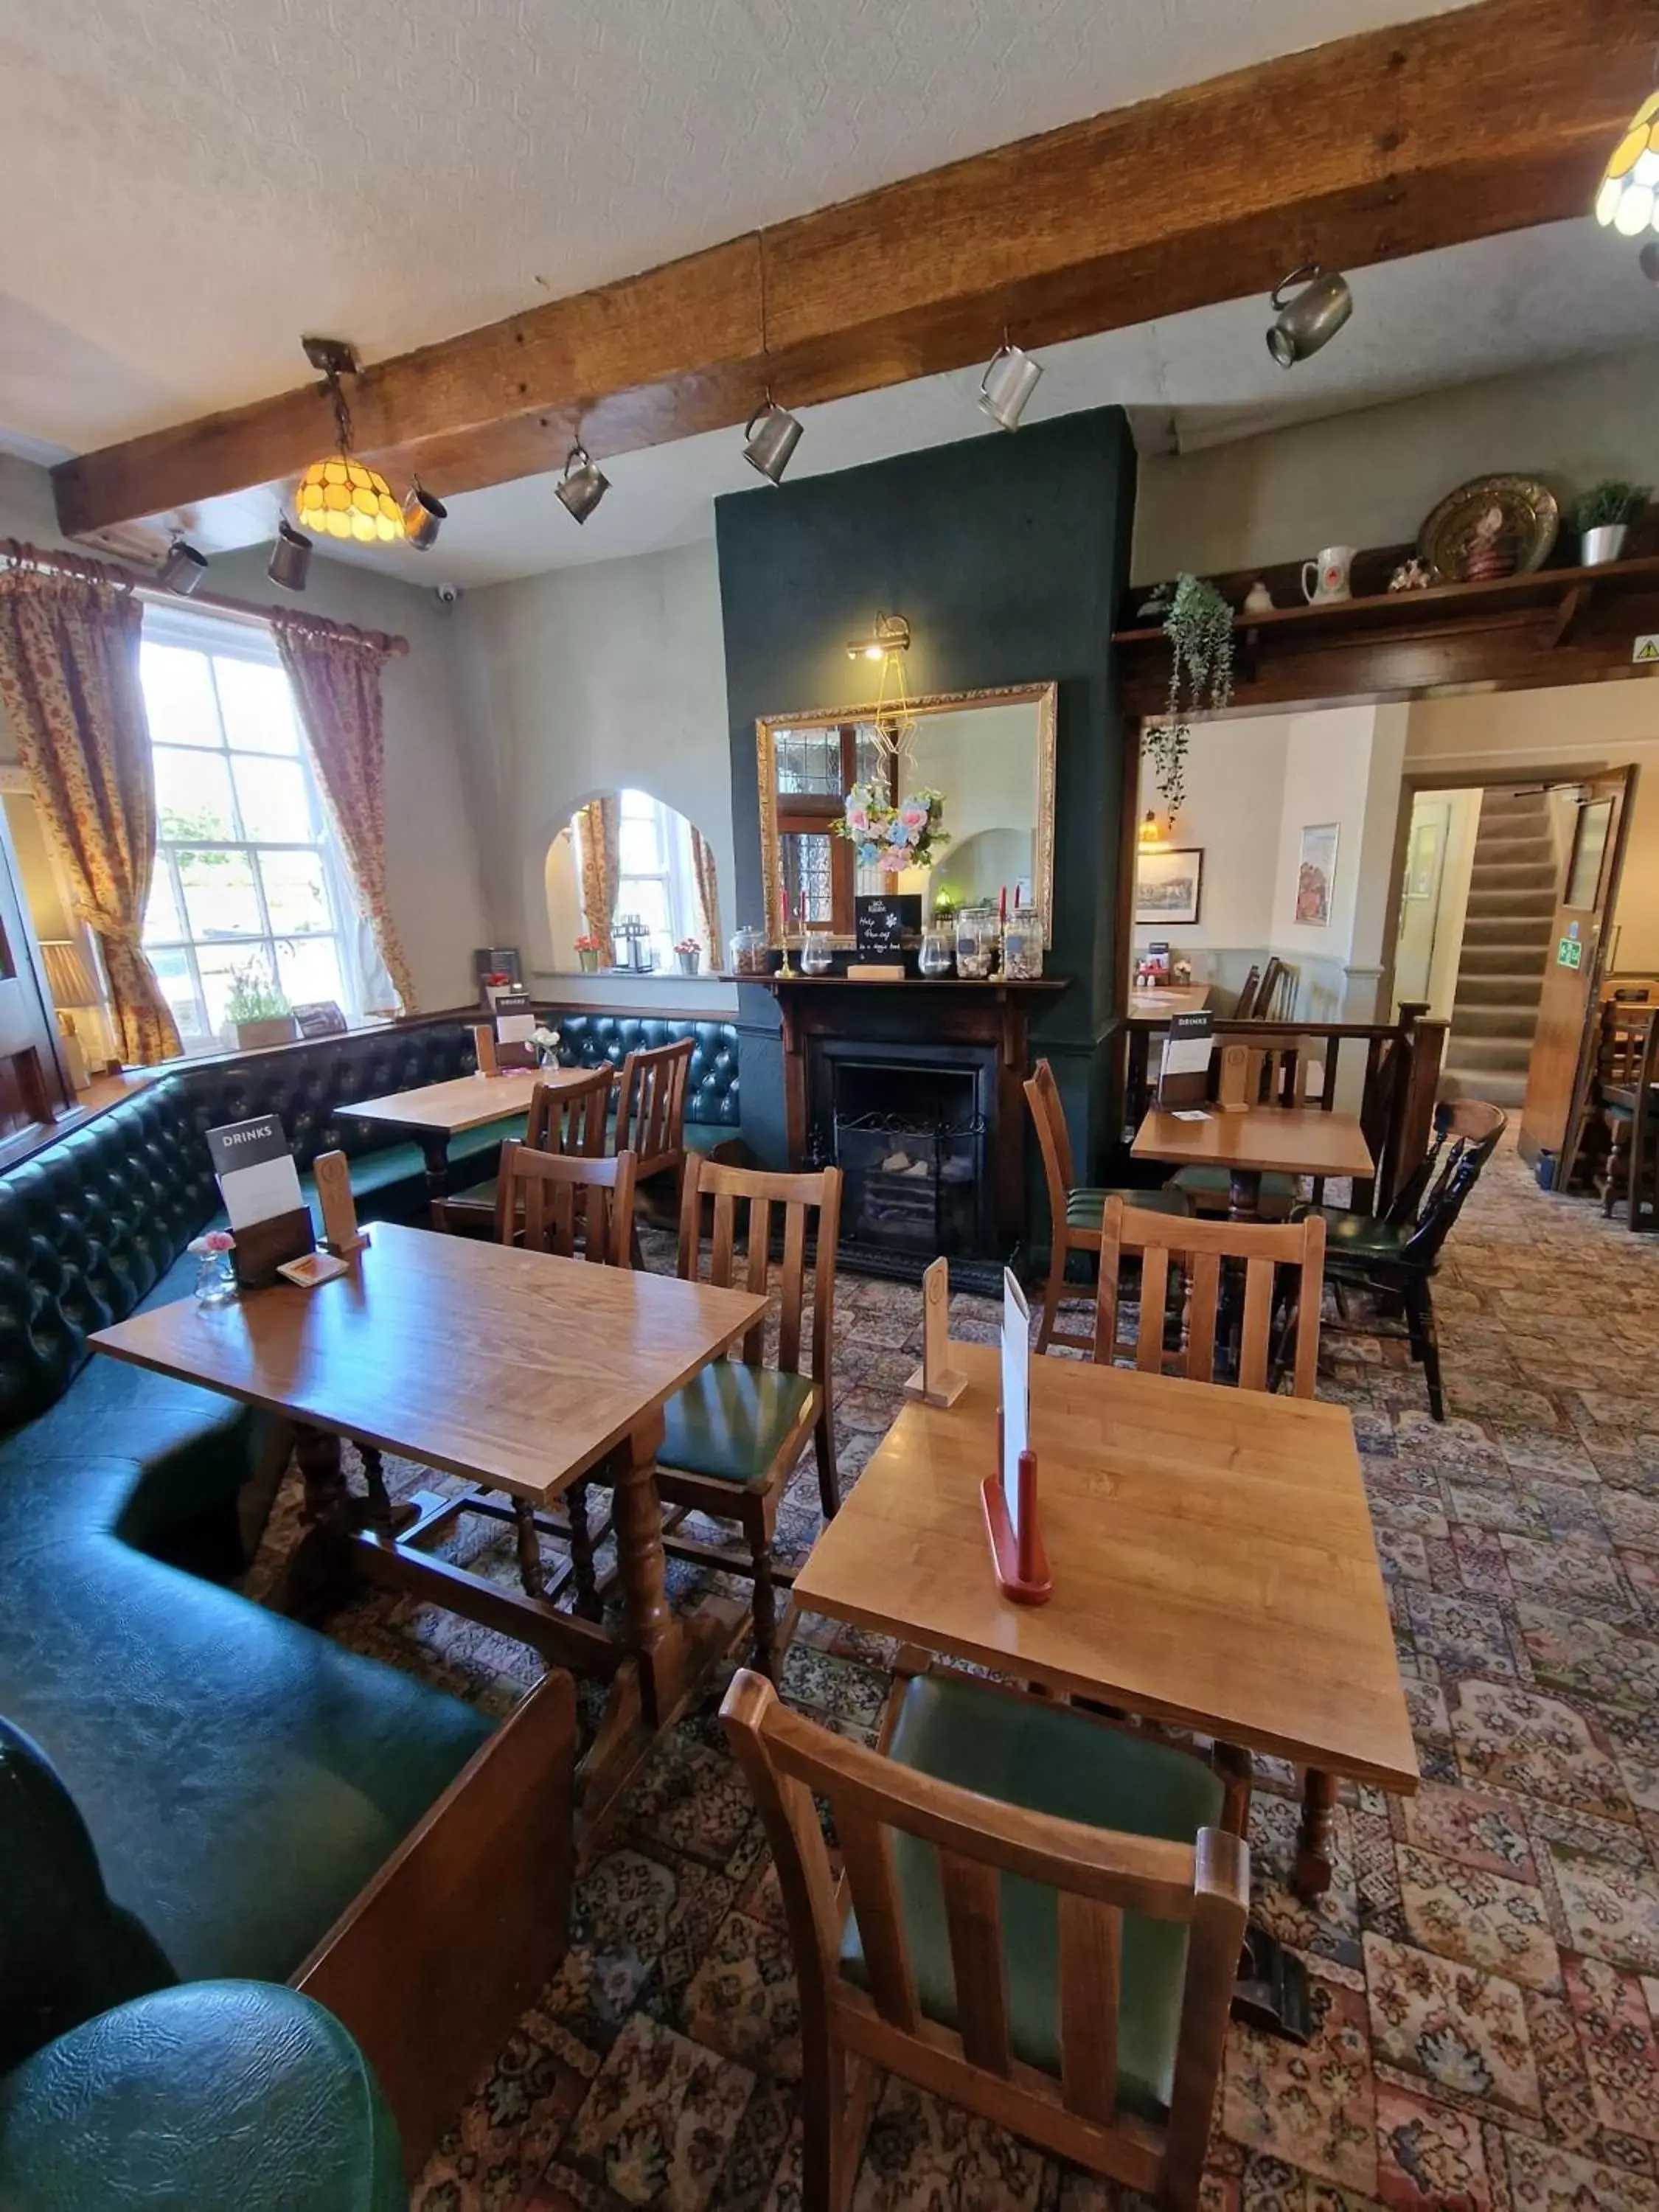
[
  {"x": 1234, "y": 1094},
  {"x": 483, "y": 1045},
  {"x": 936, "y": 1383},
  {"x": 1018, "y": 1556},
  {"x": 341, "y": 1234}
]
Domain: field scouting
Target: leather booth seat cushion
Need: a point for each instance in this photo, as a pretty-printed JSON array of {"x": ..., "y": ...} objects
[
  {"x": 731, "y": 1421},
  {"x": 601, "y": 1040},
  {"x": 226, "y": 2096},
  {"x": 1048, "y": 1761}
]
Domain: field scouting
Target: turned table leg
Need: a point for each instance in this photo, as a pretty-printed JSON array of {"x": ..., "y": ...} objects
[
  {"x": 319, "y": 1573},
  {"x": 1310, "y": 1875},
  {"x": 435, "y": 1145},
  {"x": 651, "y": 1630}
]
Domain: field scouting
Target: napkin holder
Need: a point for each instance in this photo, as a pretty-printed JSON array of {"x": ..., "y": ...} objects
[{"x": 1020, "y": 1563}]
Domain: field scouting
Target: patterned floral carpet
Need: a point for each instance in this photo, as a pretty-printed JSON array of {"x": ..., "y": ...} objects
[{"x": 1486, "y": 1966}]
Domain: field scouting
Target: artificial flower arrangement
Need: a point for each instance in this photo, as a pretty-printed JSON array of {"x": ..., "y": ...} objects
[
  {"x": 688, "y": 945},
  {"x": 893, "y": 838},
  {"x": 212, "y": 1243},
  {"x": 589, "y": 943},
  {"x": 546, "y": 1041}
]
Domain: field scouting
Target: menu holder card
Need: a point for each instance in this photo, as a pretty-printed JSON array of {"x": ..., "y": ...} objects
[
  {"x": 1183, "y": 1076},
  {"x": 1010, "y": 1496},
  {"x": 515, "y": 1030},
  {"x": 260, "y": 1187},
  {"x": 332, "y": 1172},
  {"x": 936, "y": 1383}
]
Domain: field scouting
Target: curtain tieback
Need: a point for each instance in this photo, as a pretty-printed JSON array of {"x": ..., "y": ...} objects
[{"x": 107, "y": 926}]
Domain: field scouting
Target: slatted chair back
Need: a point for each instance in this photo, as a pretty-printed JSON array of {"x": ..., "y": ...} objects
[
  {"x": 1620, "y": 1044},
  {"x": 1266, "y": 997},
  {"x": 1054, "y": 1141},
  {"x": 1096, "y": 1876},
  {"x": 567, "y": 1203},
  {"x": 570, "y": 1117},
  {"x": 1245, "y": 1010},
  {"x": 739, "y": 1253},
  {"x": 651, "y": 1112},
  {"x": 1197, "y": 1249},
  {"x": 1467, "y": 1131}
]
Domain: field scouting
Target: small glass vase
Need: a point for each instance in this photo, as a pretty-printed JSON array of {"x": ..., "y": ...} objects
[
  {"x": 938, "y": 955},
  {"x": 216, "y": 1280},
  {"x": 816, "y": 952}
]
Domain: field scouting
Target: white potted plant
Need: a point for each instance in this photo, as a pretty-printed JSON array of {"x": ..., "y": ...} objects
[
  {"x": 259, "y": 1012},
  {"x": 1602, "y": 518}
]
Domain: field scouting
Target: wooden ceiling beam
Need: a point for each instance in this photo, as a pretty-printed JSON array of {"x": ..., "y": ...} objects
[{"x": 1494, "y": 118}]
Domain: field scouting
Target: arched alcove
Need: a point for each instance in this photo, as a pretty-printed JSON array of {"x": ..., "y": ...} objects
[{"x": 654, "y": 867}]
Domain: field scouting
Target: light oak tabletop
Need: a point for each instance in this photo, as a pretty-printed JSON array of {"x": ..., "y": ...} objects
[
  {"x": 1275, "y": 1140},
  {"x": 465, "y": 1102},
  {"x": 515, "y": 1369},
  {"x": 1211, "y": 1548},
  {"x": 1156, "y": 1003}
]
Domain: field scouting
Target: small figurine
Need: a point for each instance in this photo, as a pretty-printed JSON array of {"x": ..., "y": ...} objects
[
  {"x": 1492, "y": 551},
  {"x": 1413, "y": 575},
  {"x": 1258, "y": 600}
]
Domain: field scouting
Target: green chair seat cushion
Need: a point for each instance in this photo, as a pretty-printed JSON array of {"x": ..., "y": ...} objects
[
  {"x": 1359, "y": 1236},
  {"x": 731, "y": 1421},
  {"x": 1048, "y": 1760},
  {"x": 1209, "y": 1180},
  {"x": 215, "y": 2097},
  {"x": 1086, "y": 1208}
]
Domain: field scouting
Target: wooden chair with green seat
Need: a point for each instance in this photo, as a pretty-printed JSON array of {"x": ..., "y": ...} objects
[
  {"x": 1278, "y": 1076},
  {"x": 1393, "y": 1255},
  {"x": 1074, "y": 1214},
  {"x": 732, "y": 1438},
  {"x": 1040, "y": 1920},
  {"x": 565, "y": 1117}
]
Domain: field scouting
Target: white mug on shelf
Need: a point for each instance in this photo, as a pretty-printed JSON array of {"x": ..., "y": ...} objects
[{"x": 1331, "y": 569}]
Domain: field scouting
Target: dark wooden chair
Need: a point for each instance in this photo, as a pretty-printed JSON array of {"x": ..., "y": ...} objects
[
  {"x": 1266, "y": 997},
  {"x": 1632, "y": 1110},
  {"x": 1074, "y": 1214},
  {"x": 1393, "y": 1255},
  {"x": 564, "y": 1117},
  {"x": 1245, "y": 1009},
  {"x": 1039, "y": 1919},
  {"x": 651, "y": 1115},
  {"x": 732, "y": 1438},
  {"x": 1593, "y": 1155},
  {"x": 1198, "y": 1250}
]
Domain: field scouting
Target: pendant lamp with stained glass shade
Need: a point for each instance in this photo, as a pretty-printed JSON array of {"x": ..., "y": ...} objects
[
  {"x": 1628, "y": 200},
  {"x": 342, "y": 496}
]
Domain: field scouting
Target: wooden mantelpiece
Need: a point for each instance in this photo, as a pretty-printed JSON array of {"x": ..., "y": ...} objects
[
  {"x": 944, "y": 1009},
  {"x": 1555, "y": 626}
]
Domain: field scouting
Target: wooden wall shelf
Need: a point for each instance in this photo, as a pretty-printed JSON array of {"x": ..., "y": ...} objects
[{"x": 1554, "y": 626}]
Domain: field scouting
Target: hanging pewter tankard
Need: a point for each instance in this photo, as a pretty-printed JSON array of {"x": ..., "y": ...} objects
[{"x": 1313, "y": 319}]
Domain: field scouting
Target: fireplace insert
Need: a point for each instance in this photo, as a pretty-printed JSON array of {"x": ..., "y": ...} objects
[{"x": 909, "y": 1135}]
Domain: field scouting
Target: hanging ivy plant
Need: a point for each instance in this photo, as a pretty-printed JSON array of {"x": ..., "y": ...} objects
[{"x": 1199, "y": 625}]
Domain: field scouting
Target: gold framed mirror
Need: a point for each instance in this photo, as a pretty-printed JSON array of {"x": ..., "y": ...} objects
[{"x": 989, "y": 754}]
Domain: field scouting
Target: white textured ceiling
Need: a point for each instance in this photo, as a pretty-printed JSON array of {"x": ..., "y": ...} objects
[{"x": 192, "y": 183}]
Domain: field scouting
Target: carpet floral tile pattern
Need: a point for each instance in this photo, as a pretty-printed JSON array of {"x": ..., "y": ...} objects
[{"x": 1485, "y": 1967}]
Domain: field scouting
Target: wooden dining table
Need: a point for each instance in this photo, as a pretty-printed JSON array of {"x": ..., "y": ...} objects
[
  {"x": 517, "y": 1370},
  {"x": 433, "y": 1113},
  {"x": 1212, "y": 1555},
  {"x": 1293, "y": 1140}
]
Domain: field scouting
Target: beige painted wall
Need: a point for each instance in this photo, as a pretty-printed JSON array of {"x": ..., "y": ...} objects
[
  {"x": 432, "y": 853},
  {"x": 1370, "y": 478}
]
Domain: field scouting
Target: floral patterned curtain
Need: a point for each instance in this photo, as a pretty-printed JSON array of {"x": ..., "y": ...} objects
[
  {"x": 598, "y": 836},
  {"x": 336, "y": 674},
  {"x": 709, "y": 894},
  {"x": 69, "y": 679}
]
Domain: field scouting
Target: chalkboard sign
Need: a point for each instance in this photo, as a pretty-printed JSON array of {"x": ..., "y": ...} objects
[{"x": 881, "y": 924}]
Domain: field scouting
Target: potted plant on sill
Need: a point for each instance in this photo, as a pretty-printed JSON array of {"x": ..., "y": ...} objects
[
  {"x": 588, "y": 949},
  {"x": 259, "y": 1012},
  {"x": 689, "y": 953},
  {"x": 1602, "y": 518}
]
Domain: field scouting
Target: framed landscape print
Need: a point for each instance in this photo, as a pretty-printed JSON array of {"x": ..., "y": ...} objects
[
  {"x": 1315, "y": 874},
  {"x": 1167, "y": 882}
]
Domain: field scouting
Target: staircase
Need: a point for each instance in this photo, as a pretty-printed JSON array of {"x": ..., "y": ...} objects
[{"x": 1506, "y": 945}]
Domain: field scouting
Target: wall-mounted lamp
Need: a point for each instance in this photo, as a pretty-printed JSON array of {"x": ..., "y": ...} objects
[
  {"x": 769, "y": 439},
  {"x": 423, "y": 517},
  {"x": 1313, "y": 319},
  {"x": 182, "y": 570},
  {"x": 290, "y": 558},
  {"x": 1010, "y": 379},
  {"x": 891, "y": 634},
  {"x": 1149, "y": 833},
  {"x": 583, "y": 485}
]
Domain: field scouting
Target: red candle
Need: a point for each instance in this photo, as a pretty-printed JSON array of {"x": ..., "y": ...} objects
[
  {"x": 783, "y": 909},
  {"x": 1002, "y": 904}
]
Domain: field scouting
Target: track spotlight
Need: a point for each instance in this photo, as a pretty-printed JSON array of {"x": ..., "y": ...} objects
[
  {"x": 1313, "y": 319},
  {"x": 769, "y": 439},
  {"x": 1010, "y": 379},
  {"x": 183, "y": 569},
  {"x": 423, "y": 516},
  {"x": 290, "y": 558},
  {"x": 583, "y": 485}
]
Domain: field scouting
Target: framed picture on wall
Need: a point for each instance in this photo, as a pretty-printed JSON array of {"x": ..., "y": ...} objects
[
  {"x": 1315, "y": 874},
  {"x": 1167, "y": 882}
]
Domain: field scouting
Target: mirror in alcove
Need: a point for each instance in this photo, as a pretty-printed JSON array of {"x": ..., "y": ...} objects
[
  {"x": 990, "y": 754},
  {"x": 629, "y": 882}
]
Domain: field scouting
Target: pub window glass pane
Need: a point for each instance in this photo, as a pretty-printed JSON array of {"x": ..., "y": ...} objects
[{"x": 807, "y": 857}]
